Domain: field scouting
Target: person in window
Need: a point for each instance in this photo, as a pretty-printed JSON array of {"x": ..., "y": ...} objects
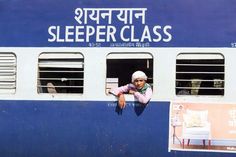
[
  {"x": 185, "y": 88},
  {"x": 207, "y": 88},
  {"x": 51, "y": 88},
  {"x": 141, "y": 90}
]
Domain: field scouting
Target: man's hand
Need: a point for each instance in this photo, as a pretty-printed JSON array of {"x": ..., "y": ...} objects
[
  {"x": 121, "y": 101},
  {"x": 132, "y": 91}
]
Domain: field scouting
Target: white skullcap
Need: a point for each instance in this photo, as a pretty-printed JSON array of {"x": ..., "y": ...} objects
[{"x": 138, "y": 75}]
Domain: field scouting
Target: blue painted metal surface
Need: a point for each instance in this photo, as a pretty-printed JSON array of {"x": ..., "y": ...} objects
[
  {"x": 62, "y": 128},
  {"x": 202, "y": 23},
  {"x": 49, "y": 128}
]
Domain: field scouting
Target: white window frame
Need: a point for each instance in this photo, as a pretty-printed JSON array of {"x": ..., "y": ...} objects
[
  {"x": 64, "y": 62},
  {"x": 113, "y": 82},
  {"x": 7, "y": 73},
  {"x": 198, "y": 82}
]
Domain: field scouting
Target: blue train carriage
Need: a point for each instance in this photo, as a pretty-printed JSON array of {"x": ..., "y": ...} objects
[{"x": 59, "y": 60}]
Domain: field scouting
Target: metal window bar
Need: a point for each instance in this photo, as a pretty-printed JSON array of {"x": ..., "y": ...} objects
[
  {"x": 194, "y": 72},
  {"x": 62, "y": 86},
  {"x": 61, "y": 71},
  {"x": 60, "y": 64},
  {"x": 61, "y": 79},
  {"x": 207, "y": 65},
  {"x": 197, "y": 80},
  {"x": 197, "y": 88}
]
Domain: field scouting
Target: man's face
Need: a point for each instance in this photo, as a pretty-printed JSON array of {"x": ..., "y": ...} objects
[{"x": 139, "y": 83}]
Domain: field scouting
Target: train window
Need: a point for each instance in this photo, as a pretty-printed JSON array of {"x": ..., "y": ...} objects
[
  {"x": 200, "y": 74},
  {"x": 7, "y": 73},
  {"x": 61, "y": 73},
  {"x": 120, "y": 67}
]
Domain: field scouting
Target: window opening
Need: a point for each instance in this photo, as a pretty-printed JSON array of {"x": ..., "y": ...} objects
[
  {"x": 121, "y": 66},
  {"x": 7, "y": 73},
  {"x": 200, "y": 74},
  {"x": 61, "y": 73}
]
